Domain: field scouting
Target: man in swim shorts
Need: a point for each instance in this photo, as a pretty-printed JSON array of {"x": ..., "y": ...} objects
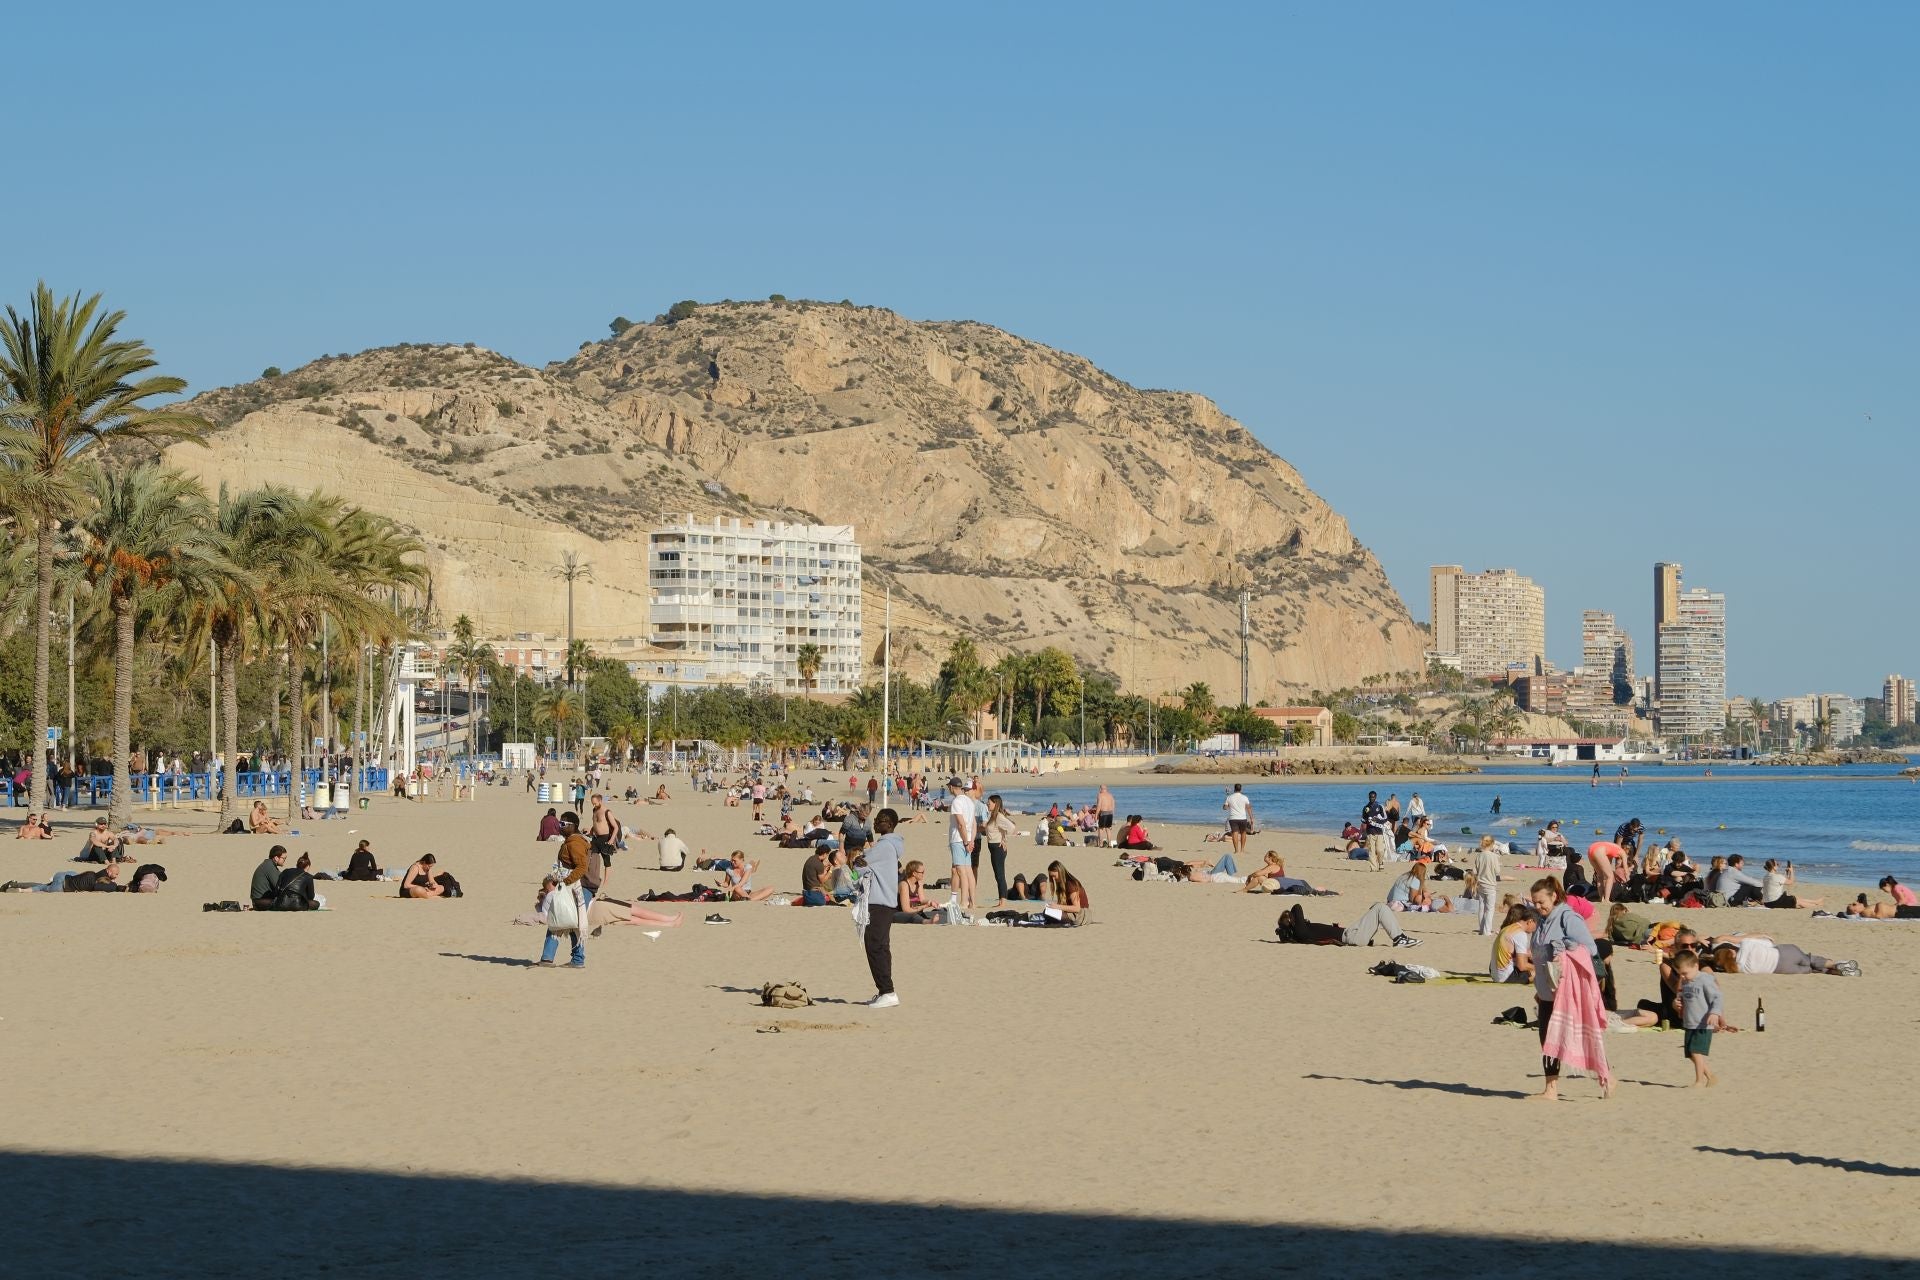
[{"x": 963, "y": 823}]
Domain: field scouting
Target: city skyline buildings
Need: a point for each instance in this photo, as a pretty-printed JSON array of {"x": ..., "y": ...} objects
[
  {"x": 1690, "y": 673},
  {"x": 1489, "y": 622}
]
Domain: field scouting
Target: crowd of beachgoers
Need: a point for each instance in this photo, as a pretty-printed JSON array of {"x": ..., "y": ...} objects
[{"x": 1554, "y": 914}]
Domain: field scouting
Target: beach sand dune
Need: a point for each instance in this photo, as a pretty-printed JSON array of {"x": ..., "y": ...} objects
[{"x": 1165, "y": 1091}]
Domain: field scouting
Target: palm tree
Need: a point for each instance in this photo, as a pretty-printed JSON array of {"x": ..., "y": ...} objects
[
  {"x": 470, "y": 656},
  {"x": 67, "y": 386},
  {"x": 807, "y": 657},
  {"x": 556, "y": 709},
  {"x": 231, "y": 615},
  {"x": 333, "y": 560},
  {"x": 149, "y": 530},
  {"x": 1051, "y": 668}
]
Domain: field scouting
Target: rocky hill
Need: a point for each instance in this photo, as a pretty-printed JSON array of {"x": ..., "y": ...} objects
[{"x": 1002, "y": 488}]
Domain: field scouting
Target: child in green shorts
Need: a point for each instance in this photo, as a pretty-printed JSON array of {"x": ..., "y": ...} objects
[{"x": 1700, "y": 1009}]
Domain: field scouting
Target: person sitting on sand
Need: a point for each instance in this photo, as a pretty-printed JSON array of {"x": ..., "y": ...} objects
[
  {"x": 736, "y": 884},
  {"x": 419, "y": 881},
  {"x": 34, "y": 828},
  {"x": 1778, "y": 882},
  {"x": 550, "y": 826},
  {"x": 264, "y": 892},
  {"x": 1294, "y": 927},
  {"x": 1901, "y": 895},
  {"x": 1758, "y": 953},
  {"x": 1068, "y": 896},
  {"x": 1352, "y": 840},
  {"x": 1135, "y": 836},
  {"x": 1513, "y": 946},
  {"x": 295, "y": 890},
  {"x": 1400, "y": 892},
  {"x": 816, "y": 874},
  {"x": 915, "y": 907},
  {"x": 361, "y": 866},
  {"x": 1739, "y": 886},
  {"x": 660, "y": 795},
  {"x": 261, "y": 823},
  {"x": 101, "y": 844}
]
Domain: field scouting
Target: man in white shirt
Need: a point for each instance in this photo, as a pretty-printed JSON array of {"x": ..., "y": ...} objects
[
  {"x": 673, "y": 852},
  {"x": 1239, "y": 809},
  {"x": 963, "y": 823}
]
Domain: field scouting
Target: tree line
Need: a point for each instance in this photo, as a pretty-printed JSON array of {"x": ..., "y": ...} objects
[{"x": 160, "y": 571}]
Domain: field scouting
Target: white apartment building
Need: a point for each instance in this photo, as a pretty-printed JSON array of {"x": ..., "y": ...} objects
[
  {"x": 1690, "y": 686},
  {"x": 1485, "y": 623},
  {"x": 740, "y": 599}
]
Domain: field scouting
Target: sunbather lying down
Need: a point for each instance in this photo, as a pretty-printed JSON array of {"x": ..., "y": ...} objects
[
  {"x": 1295, "y": 927},
  {"x": 1271, "y": 877}
]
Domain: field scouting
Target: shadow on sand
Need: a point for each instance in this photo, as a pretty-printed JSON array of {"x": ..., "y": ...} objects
[
  {"x": 78, "y": 1215},
  {"x": 1436, "y": 1086},
  {"x": 1825, "y": 1162}
]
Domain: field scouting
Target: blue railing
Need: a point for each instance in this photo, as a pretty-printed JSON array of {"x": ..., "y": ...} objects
[{"x": 176, "y": 788}]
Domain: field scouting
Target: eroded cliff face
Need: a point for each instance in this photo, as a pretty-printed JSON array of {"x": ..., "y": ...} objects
[{"x": 1004, "y": 489}]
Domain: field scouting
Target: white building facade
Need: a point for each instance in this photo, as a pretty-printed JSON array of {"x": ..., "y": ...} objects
[
  {"x": 739, "y": 599},
  {"x": 1692, "y": 688},
  {"x": 1486, "y": 623}
]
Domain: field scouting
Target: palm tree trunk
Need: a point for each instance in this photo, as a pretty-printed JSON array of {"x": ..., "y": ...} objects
[
  {"x": 120, "y": 806},
  {"x": 42, "y": 658},
  {"x": 296, "y": 727},
  {"x": 230, "y": 729}
]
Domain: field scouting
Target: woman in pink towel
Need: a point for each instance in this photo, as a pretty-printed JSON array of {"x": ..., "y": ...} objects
[{"x": 1572, "y": 1015}]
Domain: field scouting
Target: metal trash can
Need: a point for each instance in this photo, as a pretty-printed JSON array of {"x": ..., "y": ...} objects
[
  {"x": 364, "y": 802},
  {"x": 546, "y": 793}
]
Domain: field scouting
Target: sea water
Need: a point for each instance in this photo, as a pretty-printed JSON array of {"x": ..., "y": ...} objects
[{"x": 1849, "y": 825}]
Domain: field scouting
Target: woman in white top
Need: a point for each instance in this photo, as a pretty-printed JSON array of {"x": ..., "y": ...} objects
[
  {"x": 1775, "y": 894},
  {"x": 1513, "y": 946}
]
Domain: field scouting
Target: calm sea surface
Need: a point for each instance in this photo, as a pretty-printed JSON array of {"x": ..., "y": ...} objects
[{"x": 1850, "y": 825}]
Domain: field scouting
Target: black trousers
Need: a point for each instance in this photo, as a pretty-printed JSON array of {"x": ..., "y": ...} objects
[
  {"x": 998, "y": 852},
  {"x": 879, "y": 939},
  {"x": 1548, "y": 1066}
]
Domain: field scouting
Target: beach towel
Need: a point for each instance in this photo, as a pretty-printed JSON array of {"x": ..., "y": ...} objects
[{"x": 1579, "y": 1017}]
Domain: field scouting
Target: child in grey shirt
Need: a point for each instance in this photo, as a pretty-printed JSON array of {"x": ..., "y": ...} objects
[{"x": 1700, "y": 1009}]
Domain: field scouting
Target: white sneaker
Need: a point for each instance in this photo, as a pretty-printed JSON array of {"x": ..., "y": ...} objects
[{"x": 885, "y": 1001}]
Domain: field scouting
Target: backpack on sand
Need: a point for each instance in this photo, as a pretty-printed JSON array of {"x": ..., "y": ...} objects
[{"x": 784, "y": 995}]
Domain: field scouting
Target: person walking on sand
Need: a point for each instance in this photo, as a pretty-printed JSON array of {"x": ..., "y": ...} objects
[
  {"x": 1379, "y": 832},
  {"x": 1701, "y": 1012},
  {"x": 880, "y": 896},
  {"x": 1239, "y": 809}
]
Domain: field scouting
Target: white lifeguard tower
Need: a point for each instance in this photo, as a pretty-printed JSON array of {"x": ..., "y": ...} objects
[{"x": 402, "y": 723}]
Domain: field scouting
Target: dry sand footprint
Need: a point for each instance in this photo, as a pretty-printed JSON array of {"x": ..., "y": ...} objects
[{"x": 795, "y": 1024}]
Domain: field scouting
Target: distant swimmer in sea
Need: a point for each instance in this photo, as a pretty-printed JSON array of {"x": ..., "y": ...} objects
[{"x": 1496, "y": 807}]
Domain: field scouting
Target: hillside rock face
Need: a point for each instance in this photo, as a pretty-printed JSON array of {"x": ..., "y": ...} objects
[{"x": 1003, "y": 489}]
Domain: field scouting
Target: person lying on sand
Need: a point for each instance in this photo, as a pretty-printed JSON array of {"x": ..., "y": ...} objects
[
  {"x": 105, "y": 880},
  {"x": 1295, "y": 927},
  {"x": 1271, "y": 877},
  {"x": 1758, "y": 953}
]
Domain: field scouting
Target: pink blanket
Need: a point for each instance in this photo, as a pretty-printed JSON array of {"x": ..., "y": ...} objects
[{"x": 1579, "y": 1021}]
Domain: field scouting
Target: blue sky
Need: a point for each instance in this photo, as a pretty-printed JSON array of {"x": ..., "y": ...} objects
[{"x": 1565, "y": 289}]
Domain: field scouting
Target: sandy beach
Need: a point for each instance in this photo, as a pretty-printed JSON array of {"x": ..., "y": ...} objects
[{"x": 387, "y": 1088}]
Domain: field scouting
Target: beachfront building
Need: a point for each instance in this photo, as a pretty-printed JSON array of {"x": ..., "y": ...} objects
[
  {"x": 1690, "y": 672},
  {"x": 1315, "y": 724},
  {"x": 1844, "y": 717},
  {"x": 1564, "y": 750},
  {"x": 739, "y": 600},
  {"x": 1606, "y": 653},
  {"x": 1897, "y": 695},
  {"x": 1487, "y": 623}
]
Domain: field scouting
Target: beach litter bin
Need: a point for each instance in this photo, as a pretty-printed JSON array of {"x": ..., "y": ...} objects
[
  {"x": 546, "y": 793},
  {"x": 364, "y": 802}
]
